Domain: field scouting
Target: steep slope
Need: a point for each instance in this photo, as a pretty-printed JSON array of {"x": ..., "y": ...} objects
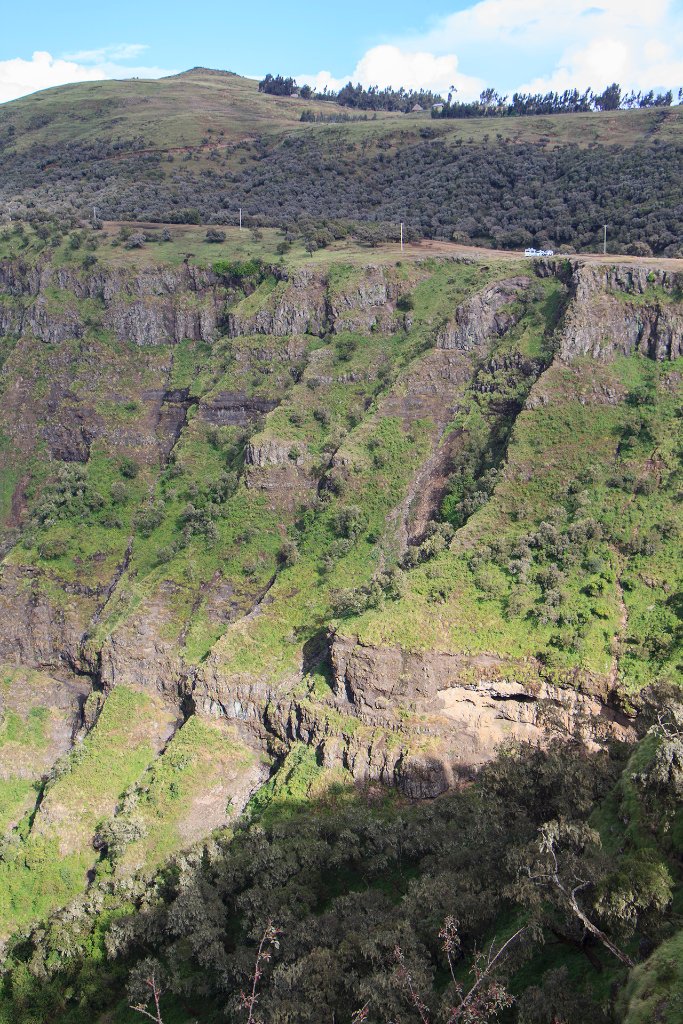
[
  {"x": 399, "y": 512},
  {"x": 316, "y": 523}
]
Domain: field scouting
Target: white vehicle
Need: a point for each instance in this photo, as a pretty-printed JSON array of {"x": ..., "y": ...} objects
[{"x": 531, "y": 253}]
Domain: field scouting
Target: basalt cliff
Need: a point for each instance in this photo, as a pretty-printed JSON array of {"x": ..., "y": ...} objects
[{"x": 402, "y": 513}]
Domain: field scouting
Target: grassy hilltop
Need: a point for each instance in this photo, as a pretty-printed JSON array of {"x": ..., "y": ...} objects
[
  {"x": 202, "y": 144},
  {"x": 187, "y": 109}
]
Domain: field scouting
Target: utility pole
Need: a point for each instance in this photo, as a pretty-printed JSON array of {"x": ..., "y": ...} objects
[
  {"x": 240, "y": 218},
  {"x": 604, "y": 243},
  {"x": 401, "y": 236},
  {"x": 94, "y": 214}
]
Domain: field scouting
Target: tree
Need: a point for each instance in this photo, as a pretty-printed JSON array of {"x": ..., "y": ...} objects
[
  {"x": 145, "y": 987},
  {"x": 269, "y": 942},
  {"x": 485, "y": 997},
  {"x": 610, "y": 99},
  {"x": 557, "y": 868}
]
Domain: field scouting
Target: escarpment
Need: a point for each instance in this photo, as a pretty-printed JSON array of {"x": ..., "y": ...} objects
[
  {"x": 623, "y": 310},
  {"x": 401, "y": 514},
  {"x": 154, "y": 306},
  {"x": 489, "y": 313}
]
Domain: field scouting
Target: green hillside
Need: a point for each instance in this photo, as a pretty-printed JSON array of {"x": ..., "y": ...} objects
[
  {"x": 184, "y": 109},
  {"x": 340, "y": 582},
  {"x": 199, "y": 146}
]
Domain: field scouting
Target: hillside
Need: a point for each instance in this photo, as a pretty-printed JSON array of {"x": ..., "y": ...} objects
[
  {"x": 340, "y": 593},
  {"x": 201, "y": 145},
  {"x": 183, "y": 109}
]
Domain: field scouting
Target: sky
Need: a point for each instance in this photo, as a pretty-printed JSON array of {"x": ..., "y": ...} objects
[{"x": 507, "y": 44}]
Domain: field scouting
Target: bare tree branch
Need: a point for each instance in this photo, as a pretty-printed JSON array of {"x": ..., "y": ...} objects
[
  {"x": 269, "y": 941},
  {"x": 156, "y": 992}
]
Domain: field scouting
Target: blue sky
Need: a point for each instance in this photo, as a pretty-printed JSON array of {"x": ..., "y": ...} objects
[{"x": 506, "y": 43}]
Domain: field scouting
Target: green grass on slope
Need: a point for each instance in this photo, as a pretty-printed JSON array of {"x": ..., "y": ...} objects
[
  {"x": 208, "y": 531},
  {"x": 180, "y": 110},
  {"x": 200, "y": 527},
  {"x": 44, "y": 863},
  {"x": 185, "y": 793},
  {"x": 374, "y": 463},
  {"x": 37, "y": 719},
  {"x": 654, "y": 991},
  {"x": 604, "y": 477},
  {"x": 209, "y": 109}
]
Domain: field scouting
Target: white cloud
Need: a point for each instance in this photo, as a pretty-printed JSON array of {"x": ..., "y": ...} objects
[
  {"x": 18, "y": 76},
  {"x": 120, "y": 51},
  {"x": 534, "y": 44},
  {"x": 392, "y": 66}
]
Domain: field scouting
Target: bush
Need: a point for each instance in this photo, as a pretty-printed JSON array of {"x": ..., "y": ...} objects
[
  {"x": 322, "y": 416},
  {"x": 52, "y": 548},
  {"x": 118, "y": 492},
  {"x": 345, "y": 348},
  {"x": 213, "y": 235},
  {"x": 129, "y": 468},
  {"x": 639, "y": 249},
  {"x": 149, "y": 517},
  {"x": 289, "y": 553},
  {"x": 350, "y": 522}
]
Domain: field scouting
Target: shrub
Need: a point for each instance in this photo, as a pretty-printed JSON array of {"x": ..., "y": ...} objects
[
  {"x": 639, "y": 249},
  {"x": 289, "y": 553},
  {"x": 345, "y": 348},
  {"x": 350, "y": 522},
  {"x": 149, "y": 517},
  {"x": 129, "y": 468},
  {"x": 118, "y": 492},
  {"x": 52, "y": 548},
  {"x": 213, "y": 235},
  {"x": 322, "y": 416}
]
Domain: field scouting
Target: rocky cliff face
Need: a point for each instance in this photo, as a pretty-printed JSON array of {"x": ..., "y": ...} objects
[
  {"x": 38, "y": 631},
  {"x": 418, "y": 720},
  {"x": 158, "y": 306},
  {"x": 367, "y": 302},
  {"x": 467, "y": 705},
  {"x": 296, "y": 306},
  {"x": 491, "y": 313},
  {"x": 621, "y": 310}
]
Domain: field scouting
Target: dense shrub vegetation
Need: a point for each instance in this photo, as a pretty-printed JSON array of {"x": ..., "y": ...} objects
[
  {"x": 359, "y": 884},
  {"x": 496, "y": 193}
]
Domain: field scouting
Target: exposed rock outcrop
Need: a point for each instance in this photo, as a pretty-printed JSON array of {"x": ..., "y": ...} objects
[
  {"x": 620, "y": 310},
  {"x": 488, "y": 314},
  {"x": 297, "y": 305},
  {"x": 365, "y": 303},
  {"x": 26, "y": 691},
  {"x": 234, "y": 408},
  {"x": 154, "y": 306},
  {"x": 465, "y": 707}
]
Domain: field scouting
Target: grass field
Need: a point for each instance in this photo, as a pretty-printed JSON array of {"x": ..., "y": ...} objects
[{"x": 205, "y": 108}]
